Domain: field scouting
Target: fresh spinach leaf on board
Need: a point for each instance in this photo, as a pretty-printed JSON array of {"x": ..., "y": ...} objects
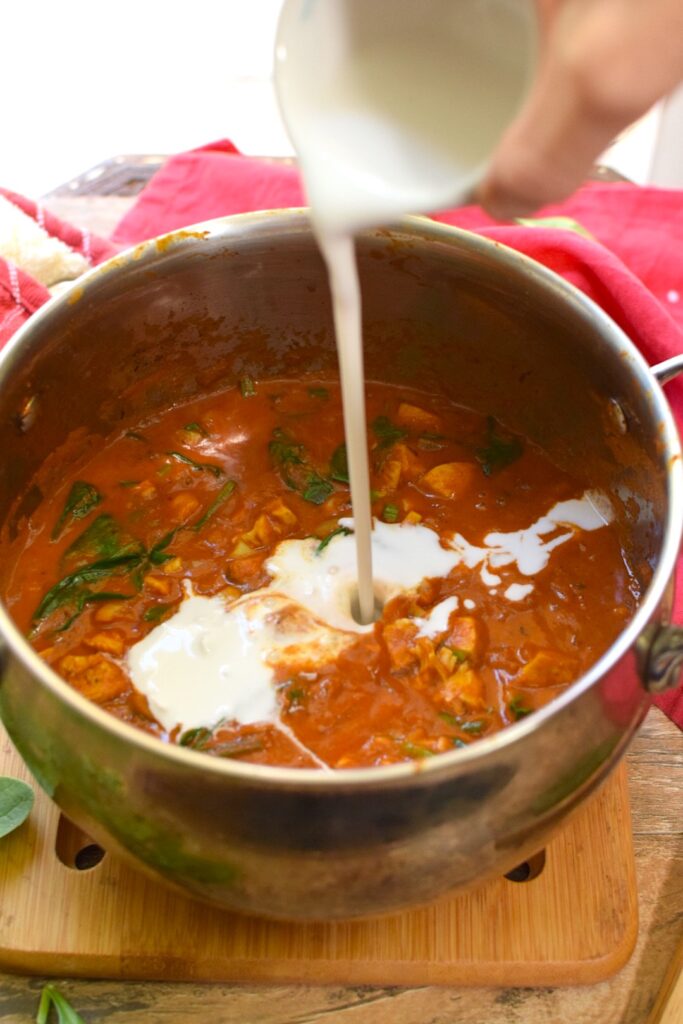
[
  {"x": 295, "y": 470},
  {"x": 81, "y": 500},
  {"x": 16, "y": 801},
  {"x": 51, "y": 997},
  {"x": 499, "y": 451}
]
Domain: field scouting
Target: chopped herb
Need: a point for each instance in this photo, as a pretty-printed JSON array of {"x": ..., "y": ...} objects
[
  {"x": 156, "y": 612},
  {"x": 375, "y": 495},
  {"x": 81, "y": 500},
  {"x": 341, "y": 531},
  {"x": 431, "y": 442},
  {"x": 210, "y": 467},
  {"x": 197, "y": 738},
  {"x": 457, "y": 742},
  {"x": 390, "y": 513},
  {"x": 499, "y": 451},
  {"x": 135, "y": 436},
  {"x": 196, "y": 428},
  {"x": 472, "y": 727},
  {"x": 238, "y": 747},
  {"x": 128, "y": 483},
  {"x": 52, "y": 997},
  {"x": 295, "y": 696},
  {"x": 222, "y": 496},
  {"x": 316, "y": 392},
  {"x": 16, "y": 801},
  {"x": 295, "y": 471},
  {"x": 247, "y": 386},
  {"x": 518, "y": 708},
  {"x": 157, "y": 554},
  {"x": 386, "y": 432},
  {"x": 339, "y": 465},
  {"x": 415, "y": 750},
  {"x": 459, "y": 654}
]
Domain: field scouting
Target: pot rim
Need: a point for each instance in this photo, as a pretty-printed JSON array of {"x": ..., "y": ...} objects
[{"x": 371, "y": 777}]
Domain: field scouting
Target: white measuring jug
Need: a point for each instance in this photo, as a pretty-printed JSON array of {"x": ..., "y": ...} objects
[{"x": 394, "y": 106}]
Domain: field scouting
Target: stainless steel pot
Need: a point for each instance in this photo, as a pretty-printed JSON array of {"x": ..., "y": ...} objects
[{"x": 446, "y": 310}]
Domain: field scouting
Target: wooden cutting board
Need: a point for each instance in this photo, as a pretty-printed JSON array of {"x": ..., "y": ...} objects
[{"x": 575, "y": 923}]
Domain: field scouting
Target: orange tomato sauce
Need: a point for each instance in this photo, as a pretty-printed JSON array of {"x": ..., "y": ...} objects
[{"x": 205, "y": 492}]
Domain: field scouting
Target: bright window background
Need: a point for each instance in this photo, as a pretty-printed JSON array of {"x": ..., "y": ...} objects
[{"x": 82, "y": 81}]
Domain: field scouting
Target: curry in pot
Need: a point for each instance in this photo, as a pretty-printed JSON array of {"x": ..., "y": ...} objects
[{"x": 194, "y": 577}]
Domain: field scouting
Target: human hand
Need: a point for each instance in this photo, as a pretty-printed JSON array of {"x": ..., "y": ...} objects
[{"x": 602, "y": 64}]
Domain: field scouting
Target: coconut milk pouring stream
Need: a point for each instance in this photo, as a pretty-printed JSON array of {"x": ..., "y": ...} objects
[{"x": 393, "y": 107}]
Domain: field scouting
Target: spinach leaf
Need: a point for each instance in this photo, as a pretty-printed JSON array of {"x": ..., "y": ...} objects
[
  {"x": 197, "y": 738},
  {"x": 222, "y": 496},
  {"x": 339, "y": 465},
  {"x": 296, "y": 472},
  {"x": 196, "y": 428},
  {"x": 157, "y": 554},
  {"x": 518, "y": 708},
  {"x": 499, "y": 451},
  {"x": 81, "y": 500},
  {"x": 49, "y": 997},
  {"x": 157, "y": 612},
  {"x": 209, "y": 467},
  {"x": 415, "y": 750},
  {"x": 72, "y": 589},
  {"x": 317, "y": 489},
  {"x": 316, "y": 392},
  {"x": 102, "y": 540},
  {"x": 16, "y": 801},
  {"x": 247, "y": 386},
  {"x": 390, "y": 513},
  {"x": 341, "y": 531},
  {"x": 386, "y": 432}
]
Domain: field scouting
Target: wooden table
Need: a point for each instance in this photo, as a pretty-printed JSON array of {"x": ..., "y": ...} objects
[{"x": 656, "y": 786}]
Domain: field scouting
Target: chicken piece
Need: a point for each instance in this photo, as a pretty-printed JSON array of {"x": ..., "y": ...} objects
[
  {"x": 159, "y": 584},
  {"x": 110, "y": 611},
  {"x": 281, "y": 514},
  {"x": 463, "y": 690},
  {"x": 415, "y": 418},
  {"x": 547, "y": 668},
  {"x": 411, "y": 466},
  {"x": 145, "y": 489},
  {"x": 262, "y": 533},
  {"x": 449, "y": 480},
  {"x": 245, "y": 570},
  {"x": 93, "y": 675},
  {"x": 464, "y": 636},
  {"x": 388, "y": 478},
  {"x": 109, "y": 642},
  {"x": 400, "y": 638},
  {"x": 183, "y": 505},
  {"x": 412, "y": 517}
]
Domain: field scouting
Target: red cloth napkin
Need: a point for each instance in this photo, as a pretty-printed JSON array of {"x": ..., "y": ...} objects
[
  {"x": 635, "y": 273},
  {"x": 20, "y": 294}
]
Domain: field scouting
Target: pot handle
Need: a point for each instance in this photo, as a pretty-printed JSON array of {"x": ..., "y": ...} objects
[
  {"x": 663, "y": 653},
  {"x": 666, "y": 371}
]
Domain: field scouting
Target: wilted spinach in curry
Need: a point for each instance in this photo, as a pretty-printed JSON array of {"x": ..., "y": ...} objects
[{"x": 209, "y": 491}]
